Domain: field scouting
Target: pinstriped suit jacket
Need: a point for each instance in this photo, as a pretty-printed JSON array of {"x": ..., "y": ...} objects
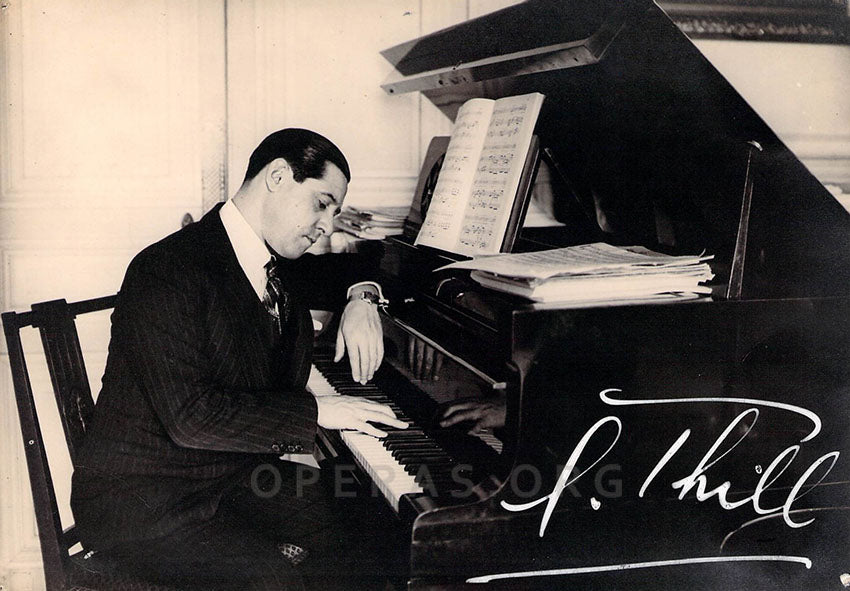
[{"x": 194, "y": 392}]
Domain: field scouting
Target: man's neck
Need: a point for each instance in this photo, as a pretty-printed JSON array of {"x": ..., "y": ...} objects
[{"x": 250, "y": 206}]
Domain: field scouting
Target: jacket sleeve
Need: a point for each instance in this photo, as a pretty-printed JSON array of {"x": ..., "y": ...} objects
[
  {"x": 324, "y": 279},
  {"x": 161, "y": 325}
]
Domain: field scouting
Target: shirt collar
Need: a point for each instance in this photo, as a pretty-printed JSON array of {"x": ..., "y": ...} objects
[{"x": 251, "y": 251}]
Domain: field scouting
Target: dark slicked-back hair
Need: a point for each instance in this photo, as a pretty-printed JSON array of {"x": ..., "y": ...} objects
[{"x": 305, "y": 151}]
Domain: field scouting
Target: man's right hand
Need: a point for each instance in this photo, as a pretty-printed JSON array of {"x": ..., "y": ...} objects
[{"x": 351, "y": 412}]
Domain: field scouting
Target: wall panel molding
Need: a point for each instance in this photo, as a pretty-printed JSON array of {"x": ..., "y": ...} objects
[
  {"x": 82, "y": 133},
  {"x": 63, "y": 227},
  {"x": 213, "y": 103},
  {"x": 801, "y": 90},
  {"x": 827, "y": 157},
  {"x": 112, "y": 127},
  {"x": 41, "y": 162},
  {"x": 243, "y": 118}
]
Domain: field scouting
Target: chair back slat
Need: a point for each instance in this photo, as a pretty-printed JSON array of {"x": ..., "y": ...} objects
[
  {"x": 67, "y": 369},
  {"x": 53, "y": 550},
  {"x": 55, "y": 321}
]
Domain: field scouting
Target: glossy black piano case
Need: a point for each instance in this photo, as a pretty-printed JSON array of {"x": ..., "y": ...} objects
[{"x": 705, "y": 441}]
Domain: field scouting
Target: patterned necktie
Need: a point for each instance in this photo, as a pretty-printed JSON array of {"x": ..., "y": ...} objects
[{"x": 275, "y": 298}]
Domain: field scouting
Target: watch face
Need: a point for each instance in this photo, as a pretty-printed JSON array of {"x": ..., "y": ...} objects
[{"x": 369, "y": 297}]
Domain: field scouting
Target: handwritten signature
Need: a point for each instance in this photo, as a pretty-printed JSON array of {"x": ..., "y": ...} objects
[{"x": 696, "y": 481}]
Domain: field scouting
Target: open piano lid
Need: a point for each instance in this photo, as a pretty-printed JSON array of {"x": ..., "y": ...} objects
[{"x": 653, "y": 145}]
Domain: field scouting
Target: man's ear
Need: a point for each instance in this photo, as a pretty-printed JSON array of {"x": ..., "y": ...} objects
[{"x": 278, "y": 173}]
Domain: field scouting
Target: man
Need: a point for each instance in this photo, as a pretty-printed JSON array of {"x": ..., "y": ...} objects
[{"x": 209, "y": 356}]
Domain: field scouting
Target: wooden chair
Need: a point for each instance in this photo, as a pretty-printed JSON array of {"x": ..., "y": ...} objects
[{"x": 55, "y": 321}]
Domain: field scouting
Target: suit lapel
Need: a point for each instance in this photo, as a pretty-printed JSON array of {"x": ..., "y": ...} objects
[{"x": 244, "y": 336}]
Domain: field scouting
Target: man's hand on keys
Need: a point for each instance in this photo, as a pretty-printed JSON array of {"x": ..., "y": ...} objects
[{"x": 351, "y": 412}]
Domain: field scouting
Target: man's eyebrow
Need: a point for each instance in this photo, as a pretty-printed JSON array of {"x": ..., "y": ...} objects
[{"x": 331, "y": 195}]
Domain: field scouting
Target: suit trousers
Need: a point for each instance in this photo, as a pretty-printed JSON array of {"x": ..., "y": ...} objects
[{"x": 351, "y": 539}]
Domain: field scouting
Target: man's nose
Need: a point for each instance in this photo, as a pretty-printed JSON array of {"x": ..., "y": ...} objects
[{"x": 326, "y": 222}]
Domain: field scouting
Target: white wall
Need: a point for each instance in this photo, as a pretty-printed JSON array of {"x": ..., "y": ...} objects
[{"x": 802, "y": 91}]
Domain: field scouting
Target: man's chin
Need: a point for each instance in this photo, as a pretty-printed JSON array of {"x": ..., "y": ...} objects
[
  {"x": 297, "y": 249},
  {"x": 291, "y": 253}
]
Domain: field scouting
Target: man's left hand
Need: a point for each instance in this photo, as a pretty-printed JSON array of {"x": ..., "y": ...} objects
[{"x": 360, "y": 333}]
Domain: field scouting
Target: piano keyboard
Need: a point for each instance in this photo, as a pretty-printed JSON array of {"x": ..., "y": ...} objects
[
  {"x": 407, "y": 461},
  {"x": 384, "y": 470}
]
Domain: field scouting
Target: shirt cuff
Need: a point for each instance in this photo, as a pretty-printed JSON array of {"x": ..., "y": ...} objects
[{"x": 372, "y": 283}]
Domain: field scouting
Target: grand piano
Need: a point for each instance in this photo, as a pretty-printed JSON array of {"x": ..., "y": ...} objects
[{"x": 685, "y": 445}]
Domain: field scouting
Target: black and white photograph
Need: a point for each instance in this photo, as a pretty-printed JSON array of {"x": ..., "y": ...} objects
[{"x": 410, "y": 295}]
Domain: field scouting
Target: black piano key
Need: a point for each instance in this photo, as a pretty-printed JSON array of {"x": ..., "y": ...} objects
[
  {"x": 407, "y": 451},
  {"x": 423, "y": 458},
  {"x": 419, "y": 447},
  {"x": 410, "y": 444},
  {"x": 406, "y": 459},
  {"x": 421, "y": 452},
  {"x": 405, "y": 456},
  {"x": 397, "y": 442},
  {"x": 441, "y": 483},
  {"x": 414, "y": 469},
  {"x": 438, "y": 485},
  {"x": 395, "y": 450},
  {"x": 409, "y": 433},
  {"x": 413, "y": 452}
]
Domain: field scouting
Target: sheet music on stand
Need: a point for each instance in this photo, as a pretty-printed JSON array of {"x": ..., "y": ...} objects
[{"x": 483, "y": 185}]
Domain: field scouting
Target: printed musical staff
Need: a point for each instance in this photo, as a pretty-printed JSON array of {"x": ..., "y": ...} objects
[
  {"x": 478, "y": 182},
  {"x": 476, "y": 235}
]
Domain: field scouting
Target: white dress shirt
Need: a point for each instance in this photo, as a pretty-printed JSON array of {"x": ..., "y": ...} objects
[{"x": 251, "y": 251}]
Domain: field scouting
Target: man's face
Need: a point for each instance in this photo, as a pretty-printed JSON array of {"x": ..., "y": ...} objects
[{"x": 295, "y": 215}]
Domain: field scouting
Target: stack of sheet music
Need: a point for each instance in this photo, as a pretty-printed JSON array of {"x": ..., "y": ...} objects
[
  {"x": 374, "y": 223},
  {"x": 593, "y": 273}
]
